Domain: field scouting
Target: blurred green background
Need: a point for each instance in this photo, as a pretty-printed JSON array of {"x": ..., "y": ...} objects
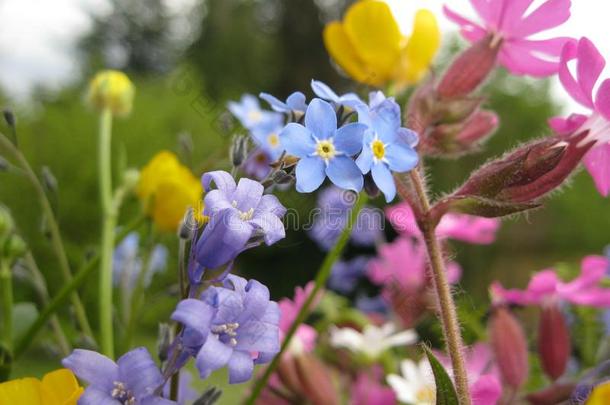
[{"x": 182, "y": 88}]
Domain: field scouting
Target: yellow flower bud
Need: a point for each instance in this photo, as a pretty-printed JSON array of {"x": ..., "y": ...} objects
[
  {"x": 113, "y": 90},
  {"x": 167, "y": 189},
  {"x": 369, "y": 46},
  {"x": 58, "y": 387}
]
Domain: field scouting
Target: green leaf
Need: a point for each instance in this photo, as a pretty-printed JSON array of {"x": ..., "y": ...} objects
[{"x": 445, "y": 392}]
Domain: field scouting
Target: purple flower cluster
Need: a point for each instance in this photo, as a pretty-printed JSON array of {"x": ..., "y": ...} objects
[
  {"x": 234, "y": 325},
  {"x": 327, "y": 141}
]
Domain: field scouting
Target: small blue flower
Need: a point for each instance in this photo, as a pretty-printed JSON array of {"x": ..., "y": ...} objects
[
  {"x": 368, "y": 305},
  {"x": 250, "y": 114},
  {"x": 127, "y": 264},
  {"x": 294, "y": 103},
  {"x": 267, "y": 137},
  {"x": 257, "y": 164},
  {"x": 386, "y": 146},
  {"x": 350, "y": 100},
  {"x": 323, "y": 149}
]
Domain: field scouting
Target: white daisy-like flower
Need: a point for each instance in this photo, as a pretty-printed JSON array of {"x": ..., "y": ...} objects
[
  {"x": 373, "y": 340},
  {"x": 416, "y": 385}
]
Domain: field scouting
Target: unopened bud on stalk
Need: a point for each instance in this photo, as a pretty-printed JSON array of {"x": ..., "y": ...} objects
[
  {"x": 448, "y": 139},
  {"x": 164, "y": 341},
  {"x": 553, "y": 341},
  {"x": 316, "y": 381},
  {"x": 239, "y": 150},
  {"x": 187, "y": 226},
  {"x": 555, "y": 394},
  {"x": 509, "y": 346},
  {"x": 470, "y": 69},
  {"x": 9, "y": 118},
  {"x": 4, "y": 165},
  {"x": 111, "y": 89},
  {"x": 14, "y": 247},
  {"x": 131, "y": 177},
  {"x": 49, "y": 180},
  {"x": 370, "y": 187},
  {"x": 6, "y": 222}
]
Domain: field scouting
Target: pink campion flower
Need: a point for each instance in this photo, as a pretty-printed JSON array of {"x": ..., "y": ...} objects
[
  {"x": 305, "y": 336},
  {"x": 589, "y": 66},
  {"x": 546, "y": 288},
  {"x": 463, "y": 227},
  {"x": 483, "y": 373},
  {"x": 405, "y": 262},
  {"x": 510, "y": 22}
]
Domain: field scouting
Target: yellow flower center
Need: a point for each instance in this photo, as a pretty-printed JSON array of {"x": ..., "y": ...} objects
[
  {"x": 426, "y": 394},
  {"x": 273, "y": 139},
  {"x": 325, "y": 149},
  {"x": 378, "y": 149},
  {"x": 255, "y": 116}
]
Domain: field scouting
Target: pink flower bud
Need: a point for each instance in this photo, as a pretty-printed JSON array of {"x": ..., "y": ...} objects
[
  {"x": 553, "y": 341},
  {"x": 316, "y": 382},
  {"x": 478, "y": 127},
  {"x": 462, "y": 137},
  {"x": 469, "y": 69},
  {"x": 509, "y": 346}
]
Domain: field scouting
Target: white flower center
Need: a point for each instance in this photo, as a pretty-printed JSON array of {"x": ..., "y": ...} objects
[
  {"x": 325, "y": 149},
  {"x": 599, "y": 130},
  {"x": 228, "y": 331},
  {"x": 243, "y": 215},
  {"x": 122, "y": 394}
]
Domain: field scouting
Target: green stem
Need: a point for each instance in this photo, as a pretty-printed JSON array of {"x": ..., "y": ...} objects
[
  {"x": 59, "y": 299},
  {"x": 6, "y": 282},
  {"x": 109, "y": 219},
  {"x": 320, "y": 282},
  {"x": 56, "y": 241},
  {"x": 448, "y": 313},
  {"x": 43, "y": 293}
]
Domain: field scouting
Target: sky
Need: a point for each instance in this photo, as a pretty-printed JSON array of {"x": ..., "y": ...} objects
[{"x": 37, "y": 37}]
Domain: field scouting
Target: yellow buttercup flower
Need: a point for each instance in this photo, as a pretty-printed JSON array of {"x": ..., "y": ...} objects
[
  {"x": 369, "y": 46},
  {"x": 58, "y": 387},
  {"x": 168, "y": 189},
  {"x": 600, "y": 395},
  {"x": 111, "y": 89}
]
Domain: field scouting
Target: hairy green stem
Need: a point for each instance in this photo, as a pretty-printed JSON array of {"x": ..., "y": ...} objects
[
  {"x": 6, "y": 283},
  {"x": 320, "y": 282},
  {"x": 448, "y": 313},
  {"x": 56, "y": 240},
  {"x": 59, "y": 299},
  {"x": 109, "y": 219}
]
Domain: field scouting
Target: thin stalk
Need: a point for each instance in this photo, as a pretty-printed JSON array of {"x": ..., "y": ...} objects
[
  {"x": 56, "y": 240},
  {"x": 6, "y": 286},
  {"x": 59, "y": 299},
  {"x": 109, "y": 219},
  {"x": 448, "y": 313},
  {"x": 43, "y": 293},
  {"x": 320, "y": 282}
]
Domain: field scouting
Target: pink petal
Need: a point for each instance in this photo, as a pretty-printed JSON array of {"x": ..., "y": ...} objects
[
  {"x": 520, "y": 61},
  {"x": 590, "y": 65},
  {"x": 593, "y": 269},
  {"x": 597, "y": 162},
  {"x": 487, "y": 390},
  {"x": 542, "y": 286},
  {"x": 513, "y": 13},
  {"x": 470, "y": 30},
  {"x": 402, "y": 219},
  {"x": 593, "y": 297},
  {"x": 550, "y": 47},
  {"x": 567, "y": 126},
  {"x": 602, "y": 99},
  {"x": 482, "y": 8},
  {"x": 495, "y": 13},
  {"x": 569, "y": 53},
  {"x": 468, "y": 228},
  {"x": 549, "y": 15}
]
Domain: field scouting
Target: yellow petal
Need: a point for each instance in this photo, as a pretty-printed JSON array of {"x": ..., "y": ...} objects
[
  {"x": 600, "y": 395},
  {"x": 60, "y": 388},
  {"x": 172, "y": 199},
  {"x": 342, "y": 51},
  {"x": 421, "y": 48},
  {"x": 375, "y": 35},
  {"x": 23, "y": 391}
]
